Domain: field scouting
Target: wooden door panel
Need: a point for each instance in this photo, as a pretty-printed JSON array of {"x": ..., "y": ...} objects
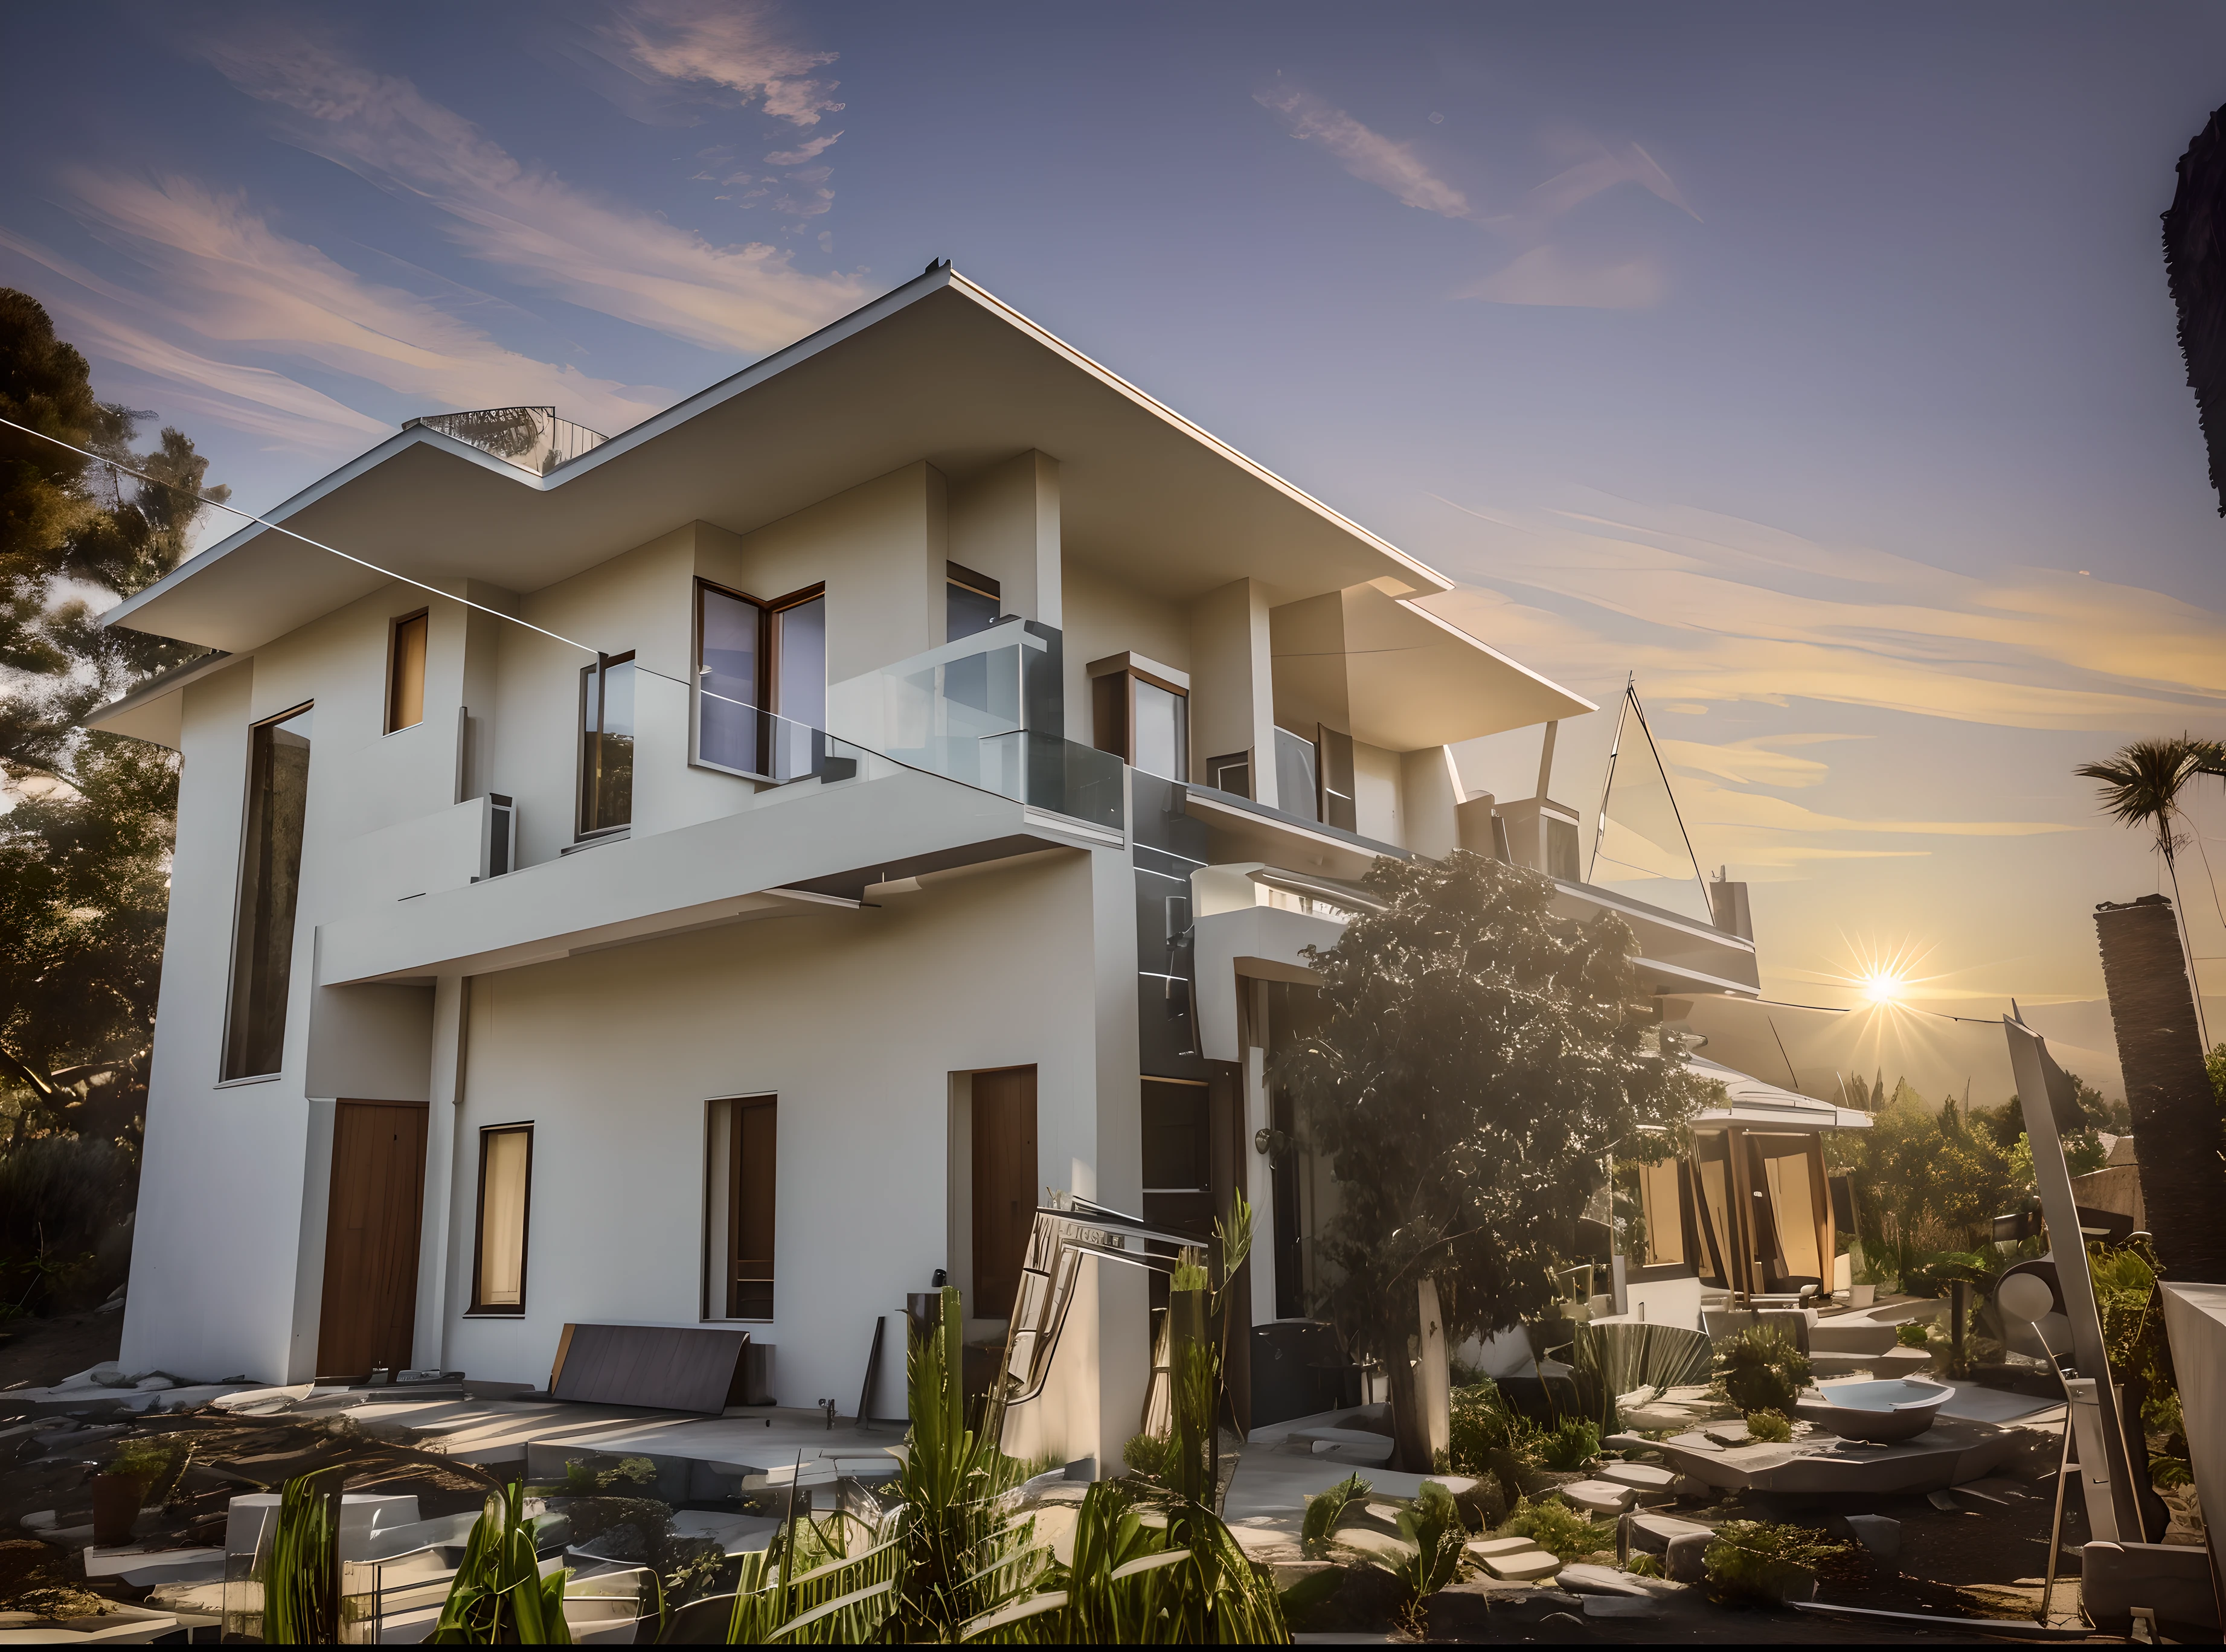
[
  {"x": 1004, "y": 1150},
  {"x": 370, "y": 1308}
]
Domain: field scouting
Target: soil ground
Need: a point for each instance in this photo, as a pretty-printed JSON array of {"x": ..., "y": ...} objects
[{"x": 37, "y": 1353}]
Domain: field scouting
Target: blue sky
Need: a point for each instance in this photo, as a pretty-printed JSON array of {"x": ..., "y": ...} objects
[{"x": 1816, "y": 366}]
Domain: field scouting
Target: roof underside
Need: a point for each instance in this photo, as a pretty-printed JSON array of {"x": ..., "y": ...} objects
[{"x": 938, "y": 370}]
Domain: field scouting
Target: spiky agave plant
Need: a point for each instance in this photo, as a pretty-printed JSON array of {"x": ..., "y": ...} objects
[
  {"x": 301, "y": 1573},
  {"x": 499, "y": 1596}
]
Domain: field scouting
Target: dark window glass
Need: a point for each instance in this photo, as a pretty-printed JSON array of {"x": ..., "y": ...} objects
[
  {"x": 405, "y": 681},
  {"x": 752, "y": 1160},
  {"x": 1232, "y": 773},
  {"x": 270, "y": 884},
  {"x": 1177, "y": 1149},
  {"x": 1297, "y": 769},
  {"x": 1337, "y": 806},
  {"x": 607, "y": 746},
  {"x": 970, "y": 602},
  {"x": 726, "y": 692},
  {"x": 1562, "y": 848}
]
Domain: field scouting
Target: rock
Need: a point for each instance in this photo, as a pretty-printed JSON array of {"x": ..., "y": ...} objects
[
  {"x": 1643, "y": 1477},
  {"x": 1877, "y": 1533},
  {"x": 1630, "y": 1443},
  {"x": 1483, "y": 1548},
  {"x": 1696, "y": 1442},
  {"x": 1622, "y": 1606},
  {"x": 109, "y": 1376},
  {"x": 1483, "y": 1502},
  {"x": 1727, "y": 1434},
  {"x": 1364, "y": 1597},
  {"x": 1527, "y": 1565},
  {"x": 146, "y": 1383},
  {"x": 1379, "y": 1546},
  {"x": 1584, "y": 1580},
  {"x": 1653, "y": 1534},
  {"x": 1599, "y": 1496},
  {"x": 1692, "y": 1487},
  {"x": 1686, "y": 1558}
]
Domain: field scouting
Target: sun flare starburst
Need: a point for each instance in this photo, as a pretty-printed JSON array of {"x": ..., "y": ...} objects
[{"x": 1882, "y": 975}]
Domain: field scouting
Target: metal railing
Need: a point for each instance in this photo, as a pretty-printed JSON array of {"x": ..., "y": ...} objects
[{"x": 532, "y": 438}]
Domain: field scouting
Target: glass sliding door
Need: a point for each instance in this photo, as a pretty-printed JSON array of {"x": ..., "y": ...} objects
[
  {"x": 729, "y": 650},
  {"x": 270, "y": 887}
]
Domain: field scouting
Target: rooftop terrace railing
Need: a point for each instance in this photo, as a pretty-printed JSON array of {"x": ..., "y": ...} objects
[{"x": 532, "y": 438}]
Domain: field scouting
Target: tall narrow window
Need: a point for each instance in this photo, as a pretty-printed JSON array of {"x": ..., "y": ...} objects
[
  {"x": 730, "y": 647},
  {"x": 607, "y": 746},
  {"x": 1337, "y": 806},
  {"x": 971, "y": 601},
  {"x": 406, "y": 674},
  {"x": 799, "y": 643},
  {"x": 505, "y": 1200},
  {"x": 270, "y": 884},
  {"x": 1297, "y": 774},
  {"x": 745, "y": 1156}
]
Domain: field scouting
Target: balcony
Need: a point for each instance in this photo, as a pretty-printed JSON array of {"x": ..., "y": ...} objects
[{"x": 532, "y": 438}]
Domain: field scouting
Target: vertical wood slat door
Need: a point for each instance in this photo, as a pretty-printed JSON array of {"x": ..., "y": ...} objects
[
  {"x": 372, "y": 1226},
  {"x": 1004, "y": 1131}
]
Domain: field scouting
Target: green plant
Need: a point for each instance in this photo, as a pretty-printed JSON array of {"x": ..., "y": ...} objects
[
  {"x": 1146, "y": 1456},
  {"x": 1563, "y": 1531},
  {"x": 144, "y": 1458},
  {"x": 1433, "y": 1524},
  {"x": 1570, "y": 1445},
  {"x": 583, "y": 1480},
  {"x": 498, "y": 1597},
  {"x": 1324, "y": 1510},
  {"x": 1771, "y": 1427},
  {"x": 1644, "y": 1566},
  {"x": 2165, "y": 1472},
  {"x": 1481, "y": 1422},
  {"x": 302, "y": 1573},
  {"x": 1911, "y": 1333},
  {"x": 1761, "y": 1370},
  {"x": 1752, "y": 1561}
]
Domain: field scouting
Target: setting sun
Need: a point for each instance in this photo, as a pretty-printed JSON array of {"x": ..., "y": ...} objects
[{"x": 1883, "y": 987}]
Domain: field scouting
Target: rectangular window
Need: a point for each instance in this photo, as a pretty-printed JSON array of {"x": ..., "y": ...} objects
[
  {"x": 1232, "y": 773},
  {"x": 971, "y": 601},
  {"x": 1143, "y": 720},
  {"x": 739, "y": 1226},
  {"x": 505, "y": 1201},
  {"x": 730, "y": 647},
  {"x": 1562, "y": 848},
  {"x": 606, "y": 745},
  {"x": 1178, "y": 1147},
  {"x": 1297, "y": 770},
  {"x": 1662, "y": 1209},
  {"x": 405, "y": 673},
  {"x": 761, "y": 682},
  {"x": 269, "y": 886}
]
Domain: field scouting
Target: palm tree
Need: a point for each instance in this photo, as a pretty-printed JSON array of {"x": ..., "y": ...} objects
[{"x": 2141, "y": 786}]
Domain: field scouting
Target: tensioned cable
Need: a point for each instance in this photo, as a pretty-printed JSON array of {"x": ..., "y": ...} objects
[{"x": 318, "y": 544}]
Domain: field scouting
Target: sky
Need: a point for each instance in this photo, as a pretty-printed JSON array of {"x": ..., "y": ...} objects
[{"x": 1813, "y": 367}]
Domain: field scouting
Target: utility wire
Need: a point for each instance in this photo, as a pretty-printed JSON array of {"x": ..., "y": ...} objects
[{"x": 319, "y": 544}]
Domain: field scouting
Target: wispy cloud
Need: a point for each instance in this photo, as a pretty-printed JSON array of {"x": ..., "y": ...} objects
[
  {"x": 1368, "y": 155},
  {"x": 231, "y": 310},
  {"x": 545, "y": 233},
  {"x": 810, "y": 149},
  {"x": 1709, "y": 609},
  {"x": 725, "y": 43},
  {"x": 1546, "y": 269}
]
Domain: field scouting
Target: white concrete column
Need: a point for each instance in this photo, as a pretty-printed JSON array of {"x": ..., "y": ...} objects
[
  {"x": 1259, "y": 1180},
  {"x": 443, "y": 1119},
  {"x": 1232, "y": 697}
]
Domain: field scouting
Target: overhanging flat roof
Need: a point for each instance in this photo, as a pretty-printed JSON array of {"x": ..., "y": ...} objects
[{"x": 937, "y": 368}]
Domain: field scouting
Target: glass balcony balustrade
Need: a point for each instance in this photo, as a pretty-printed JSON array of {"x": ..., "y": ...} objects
[{"x": 960, "y": 711}]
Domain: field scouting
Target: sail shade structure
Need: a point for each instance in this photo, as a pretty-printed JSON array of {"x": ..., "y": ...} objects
[{"x": 1640, "y": 845}]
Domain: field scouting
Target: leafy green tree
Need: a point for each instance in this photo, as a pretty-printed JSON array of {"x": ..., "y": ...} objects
[
  {"x": 86, "y": 837},
  {"x": 1474, "y": 1059}
]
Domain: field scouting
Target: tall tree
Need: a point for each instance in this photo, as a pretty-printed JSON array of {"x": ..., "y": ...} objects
[
  {"x": 85, "y": 839},
  {"x": 1475, "y": 1060}
]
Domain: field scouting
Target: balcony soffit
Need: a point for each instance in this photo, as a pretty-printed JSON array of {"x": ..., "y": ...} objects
[{"x": 936, "y": 369}]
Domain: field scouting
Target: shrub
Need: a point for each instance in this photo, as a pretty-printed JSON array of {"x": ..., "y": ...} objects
[
  {"x": 1910, "y": 1333},
  {"x": 1323, "y": 1512},
  {"x": 1562, "y": 1530},
  {"x": 143, "y": 1458},
  {"x": 1771, "y": 1428},
  {"x": 1146, "y": 1456},
  {"x": 1761, "y": 1370},
  {"x": 1644, "y": 1566},
  {"x": 1572, "y": 1445},
  {"x": 1481, "y": 1423},
  {"x": 1433, "y": 1524},
  {"x": 1752, "y": 1561}
]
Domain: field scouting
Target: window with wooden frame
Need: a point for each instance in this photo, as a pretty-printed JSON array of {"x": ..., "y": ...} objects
[
  {"x": 606, "y": 745},
  {"x": 1140, "y": 711},
  {"x": 405, "y": 672},
  {"x": 504, "y": 1208},
  {"x": 971, "y": 601},
  {"x": 760, "y": 667},
  {"x": 743, "y": 1158}
]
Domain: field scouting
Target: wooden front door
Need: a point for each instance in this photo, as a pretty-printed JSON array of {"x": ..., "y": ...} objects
[
  {"x": 1004, "y": 1185},
  {"x": 371, "y": 1237}
]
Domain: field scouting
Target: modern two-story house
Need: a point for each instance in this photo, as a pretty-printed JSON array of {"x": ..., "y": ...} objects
[{"x": 727, "y": 872}]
